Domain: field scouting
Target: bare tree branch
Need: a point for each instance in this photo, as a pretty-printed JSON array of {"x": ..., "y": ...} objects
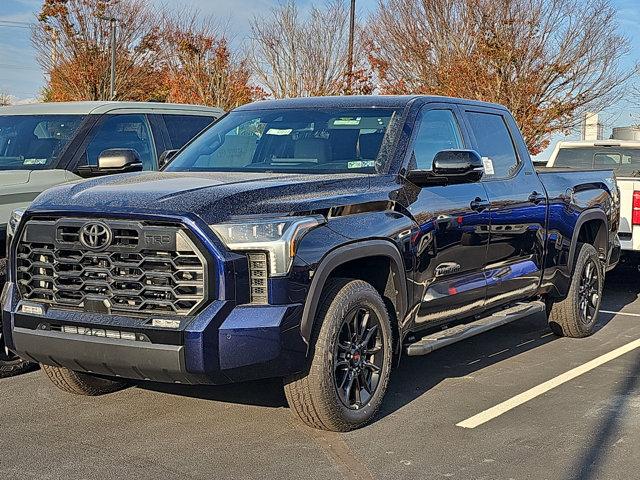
[{"x": 547, "y": 60}]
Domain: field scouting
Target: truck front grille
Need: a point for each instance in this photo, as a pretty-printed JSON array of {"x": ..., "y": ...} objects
[{"x": 133, "y": 268}]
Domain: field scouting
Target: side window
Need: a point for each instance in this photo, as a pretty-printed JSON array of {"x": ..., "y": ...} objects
[
  {"x": 494, "y": 143},
  {"x": 438, "y": 130},
  {"x": 183, "y": 128},
  {"x": 122, "y": 131}
]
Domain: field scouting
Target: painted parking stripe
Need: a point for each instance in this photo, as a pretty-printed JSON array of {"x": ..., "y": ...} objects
[
  {"x": 621, "y": 313},
  {"x": 504, "y": 407}
]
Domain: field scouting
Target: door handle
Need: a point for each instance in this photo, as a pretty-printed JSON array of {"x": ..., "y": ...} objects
[
  {"x": 537, "y": 198},
  {"x": 479, "y": 204}
]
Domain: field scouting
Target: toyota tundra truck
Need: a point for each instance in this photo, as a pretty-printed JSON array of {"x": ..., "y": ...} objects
[{"x": 315, "y": 240}]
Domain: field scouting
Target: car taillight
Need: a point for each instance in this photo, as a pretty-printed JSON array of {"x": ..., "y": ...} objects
[{"x": 635, "y": 219}]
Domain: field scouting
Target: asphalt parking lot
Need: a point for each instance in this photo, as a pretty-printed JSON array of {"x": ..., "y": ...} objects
[{"x": 585, "y": 428}]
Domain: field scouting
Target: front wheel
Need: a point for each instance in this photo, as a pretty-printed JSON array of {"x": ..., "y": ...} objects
[
  {"x": 577, "y": 314},
  {"x": 79, "y": 383},
  {"x": 349, "y": 372},
  {"x": 10, "y": 363}
]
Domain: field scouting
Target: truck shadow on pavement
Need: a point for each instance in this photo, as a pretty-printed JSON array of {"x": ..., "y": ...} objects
[
  {"x": 417, "y": 375},
  {"x": 604, "y": 437}
]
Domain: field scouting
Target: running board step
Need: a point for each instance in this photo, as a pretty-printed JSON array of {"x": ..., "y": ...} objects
[{"x": 451, "y": 335}]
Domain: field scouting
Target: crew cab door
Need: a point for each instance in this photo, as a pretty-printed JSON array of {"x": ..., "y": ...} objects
[
  {"x": 518, "y": 206},
  {"x": 451, "y": 246}
]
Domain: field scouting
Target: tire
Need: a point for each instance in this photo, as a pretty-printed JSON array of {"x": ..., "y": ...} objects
[
  {"x": 567, "y": 318},
  {"x": 79, "y": 383},
  {"x": 356, "y": 364},
  {"x": 10, "y": 364}
]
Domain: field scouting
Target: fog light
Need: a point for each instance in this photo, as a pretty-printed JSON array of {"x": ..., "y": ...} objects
[
  {"x": 165, "y": 323},
  {"x": 32, "y": 309}
]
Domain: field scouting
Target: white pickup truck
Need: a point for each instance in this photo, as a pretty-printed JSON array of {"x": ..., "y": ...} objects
[{"x": 624, "y": 158}]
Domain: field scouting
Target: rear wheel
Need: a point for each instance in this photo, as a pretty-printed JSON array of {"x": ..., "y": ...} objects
[
  {"x": 10, "y": 363},
  {"x": 80, "y": 383},
  {"x": 577, "y": 314},
  {"x": 349, "y": 371}
]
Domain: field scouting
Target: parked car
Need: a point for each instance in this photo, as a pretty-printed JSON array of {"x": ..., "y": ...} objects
[
  {"x": 311, "y": 239},
  {"x": 623, "y": 157},
  {"x": 46, "y": 144}
]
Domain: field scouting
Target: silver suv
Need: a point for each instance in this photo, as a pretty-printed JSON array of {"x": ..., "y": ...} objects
[{"x": 47, "y": 144}]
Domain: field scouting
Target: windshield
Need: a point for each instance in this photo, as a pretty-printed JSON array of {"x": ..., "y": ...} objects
[
  {"x": 30, "y": 142},
  {"x": 622, "y": 160},
  {"x": 290, "y": 140}
]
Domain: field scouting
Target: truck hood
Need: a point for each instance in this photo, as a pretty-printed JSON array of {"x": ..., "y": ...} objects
[
  {"x": 13, "y": 177},
  {"x": 214, "y": 197}
]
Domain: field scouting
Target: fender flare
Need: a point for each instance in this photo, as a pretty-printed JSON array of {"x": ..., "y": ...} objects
[
  {"x": 342, "y": 255},
  {"x": 582, "y": 219}
]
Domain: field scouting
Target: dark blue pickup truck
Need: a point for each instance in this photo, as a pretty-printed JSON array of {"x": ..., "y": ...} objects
[{"x": 315, "y": 240}]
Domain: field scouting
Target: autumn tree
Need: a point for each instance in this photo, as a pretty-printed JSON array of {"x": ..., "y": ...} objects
[
  {"x": 547, "y": 60},
  {"x": 5, "y": 99},
  {"x": 72, "y": 41},
  {"x": 200, "y": 66},
  {"x": 295, "y": 55}
]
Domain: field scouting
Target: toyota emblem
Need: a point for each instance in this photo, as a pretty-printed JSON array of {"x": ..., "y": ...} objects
[{"x": 96, "y": 236}]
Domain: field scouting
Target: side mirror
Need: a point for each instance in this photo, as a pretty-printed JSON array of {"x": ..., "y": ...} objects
[
  {"x": 465, "y": 165},
  {"x": 450, "y": 167},
  {"x": 166, "y": 157},
  {"x": 119, "y": 160}
]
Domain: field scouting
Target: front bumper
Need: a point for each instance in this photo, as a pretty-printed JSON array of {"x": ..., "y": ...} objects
[{"x": 224, "y": 343}]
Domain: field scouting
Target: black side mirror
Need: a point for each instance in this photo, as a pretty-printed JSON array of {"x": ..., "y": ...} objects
[
  {"x": 119, "y": 160},
  {"x": 166, "y": 157},
  {"x": 450, "y": 166}
]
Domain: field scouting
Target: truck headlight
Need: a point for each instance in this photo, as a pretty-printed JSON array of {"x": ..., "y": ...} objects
[
  {"x": 277, "y": 237},
  {"x": 12, "y": 226}
]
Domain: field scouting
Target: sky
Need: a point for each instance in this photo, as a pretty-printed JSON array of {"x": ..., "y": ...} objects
[{"x": 21, "y": 77}]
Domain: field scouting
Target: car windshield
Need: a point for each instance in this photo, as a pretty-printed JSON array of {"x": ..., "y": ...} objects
[
  {"x": 624, "y": 161},
  {"x": 30, "y": 142},
  {"x": 290, "y": 140}
]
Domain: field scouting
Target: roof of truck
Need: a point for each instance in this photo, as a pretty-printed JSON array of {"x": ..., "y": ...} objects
[
  {"x": 599, "y": 143},
  {"x": 101, "y": 107},
  {"x": 358, "y": 101}
]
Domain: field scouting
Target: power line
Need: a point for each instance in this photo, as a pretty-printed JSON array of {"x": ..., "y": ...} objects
[
  {"x": 18, "y": 67},
  {"x": 16, "y": 22},
  {"x": 4, "y": 23}
]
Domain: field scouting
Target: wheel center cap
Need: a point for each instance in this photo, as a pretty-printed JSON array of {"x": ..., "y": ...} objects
[{"x": 356, "y": 357}]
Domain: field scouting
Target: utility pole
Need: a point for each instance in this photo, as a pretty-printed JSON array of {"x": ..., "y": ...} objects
[
  {"x": 112, "y": 89},
  {"x": 352, "y": 27}
]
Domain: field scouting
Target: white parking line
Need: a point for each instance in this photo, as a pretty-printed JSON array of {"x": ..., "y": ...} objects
[
  {"x": 621, "y": 313},
  {"x": 491, "y": 413}
]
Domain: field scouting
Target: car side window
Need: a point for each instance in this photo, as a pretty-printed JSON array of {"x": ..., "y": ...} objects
[
  {"x": 183, "y": 128},
  {"x": 494, "y": 143},
  {"x": 438, "y": 130},
  {"x": 122, "y": 131}
]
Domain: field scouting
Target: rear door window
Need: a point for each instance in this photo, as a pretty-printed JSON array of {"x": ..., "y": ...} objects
[
  {"x": 494, "y": 144},
  {"x": 182, "y": 128}
]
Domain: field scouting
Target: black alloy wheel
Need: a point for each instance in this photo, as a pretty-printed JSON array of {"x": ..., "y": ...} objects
[
  {"x": 589, "y": 292},
  {"x": 358, "y": 358}
]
